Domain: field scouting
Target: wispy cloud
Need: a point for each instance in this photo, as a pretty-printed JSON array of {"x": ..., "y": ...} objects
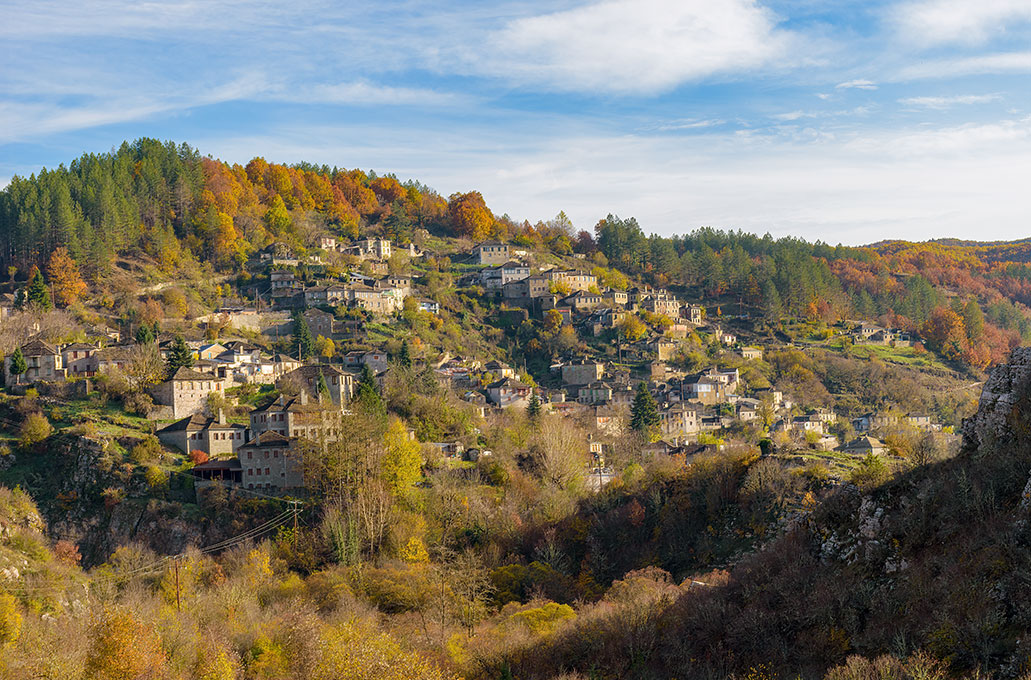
[
  {"x": 929, "y": 22},
  {"x": 950, "y": 101},
  {"x": 632, "y": 46},
  {"x": 1005, "y": 62},
  {"x": 685, "y": 124},
  {"x": 365, "y": 93},
  {"x": 859, "y": 84}
]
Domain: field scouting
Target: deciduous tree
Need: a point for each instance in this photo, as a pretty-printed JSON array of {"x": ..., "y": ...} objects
[{"x": 64, "y": 277}]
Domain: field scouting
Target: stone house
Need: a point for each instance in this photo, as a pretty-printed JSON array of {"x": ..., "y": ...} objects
[
  {"x": 680, "y": 420},
  {"x": 187, "y": 391},
  {"x": 212, "y": 435},
  {"x": 341, "y": 385},
  {"x": 583, "y": 372},
  {"x": 43, "y": 360},
  {"x": 864, "y": 446},
  {"x": 752, "y": 353},
  {"x": 494, "y": 278},
  {"x": 582, "y": 301},
  {"x": 508, "y": 392},
  {"x": 319, "y": 322},
  {"x": 76, "y": 359},
  {"x": 491, "y": 253},
  {"x": 269, "y": 462}
]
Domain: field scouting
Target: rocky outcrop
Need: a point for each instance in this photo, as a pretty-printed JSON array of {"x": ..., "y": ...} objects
[{"x": 1007, "y": 387}]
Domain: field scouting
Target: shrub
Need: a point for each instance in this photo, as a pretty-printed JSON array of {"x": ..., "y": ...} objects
[
  {"x": 34, "y": 430},
  {"x": 156, "y": 478},
  {"x": 138, "y": 403},
  {"x": 112, "y": 496},
  {"x": 146, "y": 451},
  {"x": 197, "y": 457}
]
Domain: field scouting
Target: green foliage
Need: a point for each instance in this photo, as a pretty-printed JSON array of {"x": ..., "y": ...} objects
[
  {"x": 179, "y": 356},
  {"x": 644, "y": 412},
  {"x": 35, "y": 429},
  {"x": 18, "y": 364},
  {"x": 38, "y": 295},
  {"x": 10, "y": 620},
  {"x": 871, "y": 472},
  {"x": 304, "y": 344}
]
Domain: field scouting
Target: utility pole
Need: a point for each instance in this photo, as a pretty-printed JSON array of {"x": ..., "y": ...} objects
[
  {"x": 178, "y": 608},
  {"x": 294, "y": 504}
]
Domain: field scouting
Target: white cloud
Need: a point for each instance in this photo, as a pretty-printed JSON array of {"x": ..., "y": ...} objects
[
  {"x": 632, "y": 46},
  {"x": 365, "y": 93},
  {"x": 1005, "y": 62},
  {"x": 965, "y": 181},
  {"x": 859, "y": 84},
  {"x": 929, "y": 22},
  {"x": 21, "y": 119},
  {"x": 948, "y": 102},
  {"x": 685, "y": 124}
]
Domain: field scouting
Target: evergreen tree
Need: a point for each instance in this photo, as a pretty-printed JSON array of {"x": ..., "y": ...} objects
[
  {"x": 404, "y": 356},
  {"x": 144, "y": 335},
  {"x": 366, "y": 395},
  {"x": 179, "y": 356},
  {"x": 38, "y": 295},
  {"x": 303, "y": 341},
  {"x": 323, "y": 388},
  {"x": 533, "y": 409},
  {"x": 644, "y": 413},
  {"x": 18, "y": 363}
]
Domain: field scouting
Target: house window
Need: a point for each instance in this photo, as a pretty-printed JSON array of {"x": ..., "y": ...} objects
[
  {"x": 267, "y": 471},
  {"x": 250, "y": 472},
  {"x": 249, "y": 455}
]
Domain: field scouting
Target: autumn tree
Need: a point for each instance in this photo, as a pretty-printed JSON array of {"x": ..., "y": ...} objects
[
  {"x": 64, "y": 277},
  {"x": 123, "y": 648},
  {"x": 469, "y": 215},
  {"x": 631, "y": 328},
  {"x": 402, "y": 464},
  {"x": 945, "y": 333}
]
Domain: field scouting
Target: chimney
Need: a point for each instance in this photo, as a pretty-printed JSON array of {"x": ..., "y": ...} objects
[
  {"x": 221, "y": 416},
  {"x": 304, "y": 397}
]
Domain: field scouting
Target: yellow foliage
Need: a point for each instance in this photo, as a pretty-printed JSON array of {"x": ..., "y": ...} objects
[
  {"x": 10, "y": 619},
  {"x": 122, "y": 648},
  {"x": 544, "y": 619},
  {"x": 414, "y": 551}
]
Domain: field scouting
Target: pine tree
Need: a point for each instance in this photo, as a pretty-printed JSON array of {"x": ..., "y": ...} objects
[
  {"x": 144, "y": 335},
  {"x": 533, "y": 409},
  {"x": 303, "y": 341},
  {"x": 366, "y": 395},
  {"x": 38, "y": 295},
  {"x": 404, "y": 356},
  {"x": 644, "y": 413},
  {"x": 180, "y": 356},
  {"x": 323, "y": 388},
  {"x": 18, "y": 363}
]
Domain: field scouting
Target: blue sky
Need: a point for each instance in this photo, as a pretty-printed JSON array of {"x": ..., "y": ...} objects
[{"x": 842, "y": 121}]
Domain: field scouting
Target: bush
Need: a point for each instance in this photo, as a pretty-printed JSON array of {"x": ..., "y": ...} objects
[
  {"x": 112, "y": 496},
  {"x": 146, "y": 451},
  {"x": 198, "y": 457},
  {"x": 156, "y": 478},
  {"x": 872, "y": 472},
  {"x": 138, "y": 403},
  {"x": 34, "y": 430}
]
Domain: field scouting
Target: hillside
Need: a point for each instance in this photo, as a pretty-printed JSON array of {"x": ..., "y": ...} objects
[{"x": 309, "y": 422}]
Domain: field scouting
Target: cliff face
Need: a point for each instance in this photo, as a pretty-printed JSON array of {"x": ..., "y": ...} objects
[
  {"x": 1005, "y": 397},
  {"x": 73, "y": 474}
]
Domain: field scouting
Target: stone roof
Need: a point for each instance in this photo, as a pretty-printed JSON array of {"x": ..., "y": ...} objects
[{"x": 199, "y": 421}]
